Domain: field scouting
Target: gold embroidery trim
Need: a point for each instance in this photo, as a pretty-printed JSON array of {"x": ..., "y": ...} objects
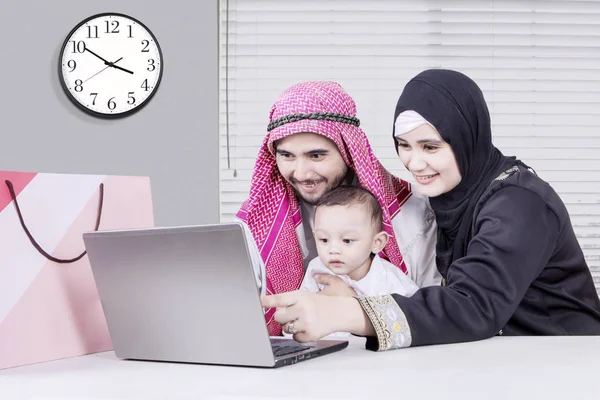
[{"x": 389, "y": 322}]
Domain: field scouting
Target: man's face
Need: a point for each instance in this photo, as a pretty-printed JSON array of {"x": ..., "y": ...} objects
[{"x": 311, "y": 163}]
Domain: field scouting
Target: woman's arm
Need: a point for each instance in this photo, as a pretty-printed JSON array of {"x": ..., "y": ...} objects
[
  {"x": 352, "y": 317},
  {"x": 515, "y": 236},
  {"x": 318, "y": 315}
]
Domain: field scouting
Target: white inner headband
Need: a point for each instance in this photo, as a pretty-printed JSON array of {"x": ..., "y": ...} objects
[{"x": 407, "y": 121}]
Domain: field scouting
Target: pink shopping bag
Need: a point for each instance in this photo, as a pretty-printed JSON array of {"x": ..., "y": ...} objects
[{"x": 49, "y": 304}]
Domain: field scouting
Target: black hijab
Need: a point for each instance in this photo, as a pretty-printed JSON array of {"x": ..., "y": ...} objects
[{"x": 455, "y": 106}]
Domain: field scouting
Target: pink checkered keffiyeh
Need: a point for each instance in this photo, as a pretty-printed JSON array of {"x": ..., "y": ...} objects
[{"x": 272, "y": 212}]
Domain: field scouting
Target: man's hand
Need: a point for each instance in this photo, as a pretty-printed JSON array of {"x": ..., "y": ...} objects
[
  {"x": 315, "y": 316},
  {"x": 311, "y": 314},
  {"x": 335, "y": 286}
]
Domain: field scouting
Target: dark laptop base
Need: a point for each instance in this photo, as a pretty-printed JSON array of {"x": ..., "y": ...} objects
[{"x": 302, "y": 352}]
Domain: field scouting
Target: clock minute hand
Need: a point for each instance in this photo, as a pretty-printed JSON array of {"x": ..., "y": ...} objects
[{"x": 105, "y": 62}]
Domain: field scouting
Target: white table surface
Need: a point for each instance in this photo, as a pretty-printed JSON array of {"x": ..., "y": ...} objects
[{"x": 499, "y": 368}]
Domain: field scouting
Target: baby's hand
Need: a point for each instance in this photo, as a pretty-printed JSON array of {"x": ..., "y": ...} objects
[{"x": 334, "y": 286}]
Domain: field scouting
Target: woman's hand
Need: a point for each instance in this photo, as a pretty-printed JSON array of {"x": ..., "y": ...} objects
[
  {"x": 335, "y": 286},
  {"x": 311, "y": 316}
]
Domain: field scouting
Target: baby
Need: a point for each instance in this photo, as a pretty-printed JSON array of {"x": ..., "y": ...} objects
[{"x": 348, "y": 231}]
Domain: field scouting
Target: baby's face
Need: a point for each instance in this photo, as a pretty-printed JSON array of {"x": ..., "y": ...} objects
[{"x": 344, "y": 237}]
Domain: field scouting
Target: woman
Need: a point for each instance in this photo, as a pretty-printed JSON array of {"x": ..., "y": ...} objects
[{"x": 506, "y": 248}]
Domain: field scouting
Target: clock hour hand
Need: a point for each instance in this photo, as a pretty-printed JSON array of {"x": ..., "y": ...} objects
[
  {"x": 122, "y": 69},
  {"x": 105, "y": 62}
]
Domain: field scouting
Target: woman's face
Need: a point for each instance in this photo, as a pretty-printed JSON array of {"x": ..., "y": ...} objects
[{"x": 430, "y": 159}]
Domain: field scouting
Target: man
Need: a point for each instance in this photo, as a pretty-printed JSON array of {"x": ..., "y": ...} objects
[{"x": 314, "y": 144}]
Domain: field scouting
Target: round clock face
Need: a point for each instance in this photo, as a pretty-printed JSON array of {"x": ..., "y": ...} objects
[{"x": 110, "y": 65}]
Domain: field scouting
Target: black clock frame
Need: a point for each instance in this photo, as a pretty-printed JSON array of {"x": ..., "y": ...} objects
[{"x": 84, "y": 108}]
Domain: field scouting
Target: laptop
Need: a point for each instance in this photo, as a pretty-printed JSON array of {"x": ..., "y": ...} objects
[{"x": 188, "y": 294}]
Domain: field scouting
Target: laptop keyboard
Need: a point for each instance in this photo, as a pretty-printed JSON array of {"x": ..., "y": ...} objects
[{"x": 283, "y": 347}]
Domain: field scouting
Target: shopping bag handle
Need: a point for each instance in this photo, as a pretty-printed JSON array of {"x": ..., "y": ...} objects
[{"x": 11, "y": 189}]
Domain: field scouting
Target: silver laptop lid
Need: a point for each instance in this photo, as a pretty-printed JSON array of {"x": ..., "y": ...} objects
[{"x": 183, "y": 294}]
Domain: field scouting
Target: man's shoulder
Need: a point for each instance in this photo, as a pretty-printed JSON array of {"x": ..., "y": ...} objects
[
  {"x": 416, "y": 211},
  {"x": 417, "y": 201},
  {"x": 384, "y": 265}
]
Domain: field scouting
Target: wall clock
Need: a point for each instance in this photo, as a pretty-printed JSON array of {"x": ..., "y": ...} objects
[{"x": 110, "y": 65}]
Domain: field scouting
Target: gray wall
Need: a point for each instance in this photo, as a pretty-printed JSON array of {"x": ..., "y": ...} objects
[{"x": 173, "y": 139}]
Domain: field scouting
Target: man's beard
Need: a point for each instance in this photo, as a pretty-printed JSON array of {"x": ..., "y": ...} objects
[{"x": 344, "y": 177}]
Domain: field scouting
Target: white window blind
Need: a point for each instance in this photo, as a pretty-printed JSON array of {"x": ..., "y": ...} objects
[{"x": 538, "y": 63}]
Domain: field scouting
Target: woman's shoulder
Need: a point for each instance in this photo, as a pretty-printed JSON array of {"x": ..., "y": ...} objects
[{"x": 523, "y": 182}]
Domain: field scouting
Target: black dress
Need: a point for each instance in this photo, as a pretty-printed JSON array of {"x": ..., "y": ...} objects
[{"x": 524, "y": 273}]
